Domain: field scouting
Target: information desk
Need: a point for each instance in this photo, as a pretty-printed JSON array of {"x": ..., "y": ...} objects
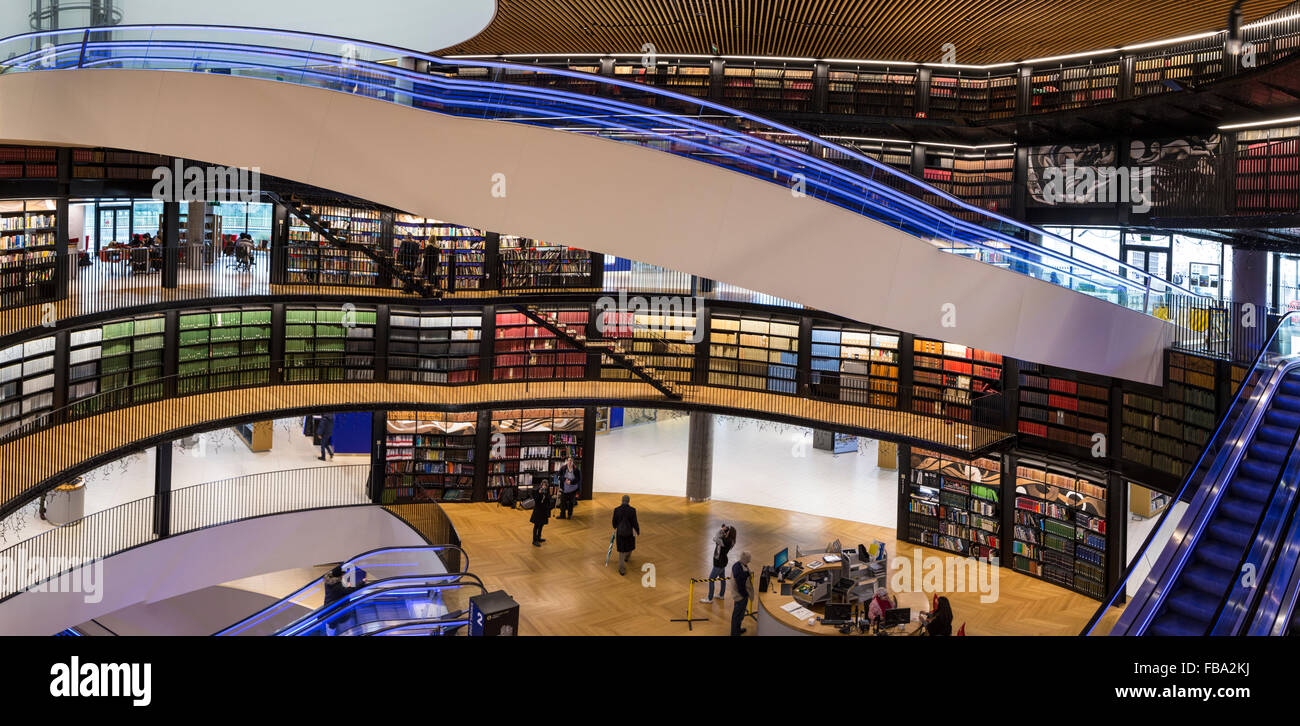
[{"x": 775, "y": 615}]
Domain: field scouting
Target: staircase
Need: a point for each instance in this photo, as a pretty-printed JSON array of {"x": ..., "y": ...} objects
[
  {"x": 412, "y": 282},
  {"x": 613, "y": 349}
]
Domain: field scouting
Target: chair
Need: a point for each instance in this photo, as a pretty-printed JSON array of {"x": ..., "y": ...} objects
[
  {"x": 139, "y": 260},
  {"x": 962, "y": 630}
]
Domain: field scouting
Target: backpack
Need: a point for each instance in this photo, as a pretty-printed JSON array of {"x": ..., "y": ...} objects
[{"x": 508, "y": 497}]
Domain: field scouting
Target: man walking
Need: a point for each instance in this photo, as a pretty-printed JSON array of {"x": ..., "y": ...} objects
[
  {"x": 626, "y": 530},
  {"x": 740, "y": 573}
]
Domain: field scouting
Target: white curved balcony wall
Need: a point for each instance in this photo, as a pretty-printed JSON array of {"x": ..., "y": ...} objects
[
  {"x": 596, "y": 194},
  {"x": 192, "y": 561},
  {"x": 426, "y": 25}
]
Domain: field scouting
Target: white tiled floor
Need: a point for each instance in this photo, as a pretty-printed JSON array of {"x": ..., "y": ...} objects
[
  {"x": 1138, "y": 529},
  {"x": 754, "y": 462},
  {"x": 220, "y": 455}
]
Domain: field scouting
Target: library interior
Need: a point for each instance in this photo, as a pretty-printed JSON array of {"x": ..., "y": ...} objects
[{"x": 638, "y": 318}]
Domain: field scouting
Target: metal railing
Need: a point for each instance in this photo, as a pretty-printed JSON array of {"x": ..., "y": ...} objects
[
  {"x": 615, "y": 109},
  {"x": 125, "y": 526}
]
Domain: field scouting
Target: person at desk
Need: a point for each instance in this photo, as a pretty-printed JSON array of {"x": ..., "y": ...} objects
[
  {"x": 740, "y": 572},
  {"x": 938, "y": 622},
  {"x": 880, "y": 602}
]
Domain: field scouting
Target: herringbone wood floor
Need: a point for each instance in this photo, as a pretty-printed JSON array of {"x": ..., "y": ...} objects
[{"x": 564, "y": 588}]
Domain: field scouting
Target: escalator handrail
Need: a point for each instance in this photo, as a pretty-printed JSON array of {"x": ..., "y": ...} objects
[
  {"x": 380, "y": 589},
  {"x": 1281, "y": 590},
  {"x": 288, "y": 599},
  {"x": 369, "y": 587},
  {"x": 418, "y": 623},
  {"x": 1275, "y": 517},
  {"x": 925, "y": 188},
  {"x": 1251, "y": 380}
]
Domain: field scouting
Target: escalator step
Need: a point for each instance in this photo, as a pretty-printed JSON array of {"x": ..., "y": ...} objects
[
  {"x": 1203, "y": 577},
  {"x": 1241, "y": 510},
  {"x": 1172, "y": 624},
  {"x": 1279, "y": 417},
  {"x": 1193, "y": 604},
  {"x": 1286, "y": 403},
  {"x": 1255, "y": 489},
  {"x": 1262, "y": 451},
  {"x": 1279, "y": 435},
  {"x": 1263, "y": 471},
  {"x": 1231, "y": 532},
  {"x": 1219, "y": 555}
]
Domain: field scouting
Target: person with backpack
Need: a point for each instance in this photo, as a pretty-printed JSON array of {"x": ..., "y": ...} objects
[
  {"x": 543, "y": 503},
  {"x": 723, "y": 541},
  {"x": 626, "y": 530}
]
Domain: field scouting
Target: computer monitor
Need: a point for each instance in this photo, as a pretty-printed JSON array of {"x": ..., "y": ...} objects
[
  {"x": 781, "y": 558},
  {"x": 897, "y": 616}
]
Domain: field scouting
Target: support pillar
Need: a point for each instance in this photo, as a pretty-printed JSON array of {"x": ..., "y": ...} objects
[
  {"x": 162, "y": 490},
  {"x": 1249, "y": 285},
  {"x": 699, "y": 458}
]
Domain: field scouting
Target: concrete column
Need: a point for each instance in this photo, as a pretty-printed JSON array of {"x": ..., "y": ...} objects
[
  {"x": 699, "y": 458},
  {"x": 195, "y": 218}
]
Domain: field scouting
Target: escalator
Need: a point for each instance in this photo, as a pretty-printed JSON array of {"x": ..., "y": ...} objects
[
  {"x": 1235, "y": 548},
  {"x": 1195, "y": 597},
  {"x": 421, "y": 587}
]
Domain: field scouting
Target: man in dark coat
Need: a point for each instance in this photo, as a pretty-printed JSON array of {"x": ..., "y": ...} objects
[
  {"x": 543, "y": 502},
  {"x": 740, "y": 574},
  {"x": 325, "y": 432},
  {"x": 626, "y": 530}
]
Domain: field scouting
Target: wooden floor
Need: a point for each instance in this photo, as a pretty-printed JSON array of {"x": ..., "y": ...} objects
[{"x": 564, "y": 588}]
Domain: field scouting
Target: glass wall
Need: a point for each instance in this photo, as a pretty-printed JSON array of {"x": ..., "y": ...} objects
[{"x": 253, "y": 218}]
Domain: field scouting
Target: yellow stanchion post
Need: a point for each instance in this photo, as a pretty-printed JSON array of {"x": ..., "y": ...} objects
[
  {"x": 690, "y": 603},
  {"x": 753, "y": 600}
]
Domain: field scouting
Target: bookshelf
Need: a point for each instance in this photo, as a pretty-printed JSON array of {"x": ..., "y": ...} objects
[
  {"x": 429, "y": 457},
  {"x": 28, "y": 162},
  {"x": 530, "y": 444},
  {"x": 768, "y": 87},
  {"x": 329, "y": 343},
  {"x": 117, "y": 165},
  {"x": 689, "y": 79},
  {"x": 1188, "y": 65},
  {"x": 896, "y": 154},
  {"x": 1060, "y": 526},
  {"x": 312, "y": 260},
  {"x": 871, "y": 91},
  {"x": 462, "y": 255},
  {"x": 434, "y": 347},
  {"x": 524, "y": 350},
  {"x": 27, "y": 248},
  {"x": 26, "y": 384},
  {"x": 946, "y": 376},
  {"x": 662, "y": 341},
  {"x": 527, "y": 263},
  {"x": 855, "y": 364},
  {"x": 223, "y": 348},
  {"x": 115, "y": 362},
  {"x": 984, "y": 177},
  {"x": 966, "y": 96},
  {"x": 1268, "y": 169},
  {"x": 753, "y": 351},
  {"x": 954, "y": 504},
  {"x": 1056, "y": 405},
  {"x": 1063, "y": 88}
]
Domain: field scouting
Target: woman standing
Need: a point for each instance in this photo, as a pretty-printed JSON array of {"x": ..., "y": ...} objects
[
  {"x": 543, "y": 503},
  {"x": 723, "y": 541}
]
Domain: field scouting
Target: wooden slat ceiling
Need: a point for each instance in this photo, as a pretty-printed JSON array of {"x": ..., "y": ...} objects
[{"x": 983, "y": 31}]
